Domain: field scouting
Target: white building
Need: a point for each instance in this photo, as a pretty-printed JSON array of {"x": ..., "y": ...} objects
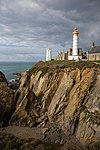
[
  {"x": 48, "y": 54},
  {"x": 75, "y": 52}
]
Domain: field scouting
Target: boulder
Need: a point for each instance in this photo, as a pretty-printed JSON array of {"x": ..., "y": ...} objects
[{"x": 2, "y": 77}]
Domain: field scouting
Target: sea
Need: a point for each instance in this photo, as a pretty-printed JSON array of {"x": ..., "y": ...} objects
[{"x": 8, "y": 68}]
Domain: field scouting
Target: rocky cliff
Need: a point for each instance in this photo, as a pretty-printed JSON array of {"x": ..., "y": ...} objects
[
  {"x": 61, "y": 97},
  {"x": 7, "y": 100},
  {"x": 64, "y": 94}
]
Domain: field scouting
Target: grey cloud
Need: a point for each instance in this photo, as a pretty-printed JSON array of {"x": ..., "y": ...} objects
[{"x": 40, "y": 24}]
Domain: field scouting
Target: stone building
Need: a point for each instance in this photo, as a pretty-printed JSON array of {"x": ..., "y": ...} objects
[
  {"x": 62, "y": 56},
  {"x": 94, "y": 54},
  {"x": 72, "y": 57},
  {"x": 48, "y": 54}
]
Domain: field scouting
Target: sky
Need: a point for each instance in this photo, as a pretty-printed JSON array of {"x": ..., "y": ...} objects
[{"x": 29, "y": 27}]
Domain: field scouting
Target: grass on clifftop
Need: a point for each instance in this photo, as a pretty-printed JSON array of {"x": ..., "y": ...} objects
[{"x": 45, "y": 66}]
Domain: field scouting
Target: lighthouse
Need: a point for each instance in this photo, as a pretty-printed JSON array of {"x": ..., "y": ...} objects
[
  {"x": 75, "y": 42},
  {"x": 75, "y": 54}
]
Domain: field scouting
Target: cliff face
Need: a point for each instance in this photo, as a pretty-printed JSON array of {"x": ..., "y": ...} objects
[
  {"x": 56, "y": 94},
  {"x": 2, "y": 77},
  {"x": 6, "y": 100}
]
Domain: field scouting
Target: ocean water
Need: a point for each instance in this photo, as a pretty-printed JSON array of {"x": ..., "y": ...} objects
[{"x": 8, "y": 68}]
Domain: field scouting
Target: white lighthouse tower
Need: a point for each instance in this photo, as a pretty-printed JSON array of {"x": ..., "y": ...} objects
[
  {"x": 48, "y": 54},
  {"x": 75, "y": 50},
  {"x": 75, "y": 43}
]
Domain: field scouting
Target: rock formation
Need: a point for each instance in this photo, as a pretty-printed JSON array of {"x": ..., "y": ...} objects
[
  {"x": 68, "y": 96},
  {"x": 63, "y": 98},
  {"x": 2, "y": 77},
  {"x": 7, "y": 102}
]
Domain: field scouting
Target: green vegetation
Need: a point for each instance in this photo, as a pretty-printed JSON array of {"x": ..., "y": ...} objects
[
  {"x": 72, "y": 63},
  {"x": 98, "y": 61},
  {"x": 44, "y": 71},
  {"x": 94, "y": 61},
  {"x": 37, "y": 67},
  {"x": 83, "y": 108},
  {"x": 61, "y": 61},
  {"x": 31, "y": 69},
  {"x": 92, "y": 117},
  {"x": 44, "y": 66}
]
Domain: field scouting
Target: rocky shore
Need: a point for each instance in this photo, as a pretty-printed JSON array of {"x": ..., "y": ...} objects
[{"x": 60, "y": 100}]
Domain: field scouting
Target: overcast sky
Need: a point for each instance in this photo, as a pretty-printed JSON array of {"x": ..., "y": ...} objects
[{"x": 28, "y": 27}]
